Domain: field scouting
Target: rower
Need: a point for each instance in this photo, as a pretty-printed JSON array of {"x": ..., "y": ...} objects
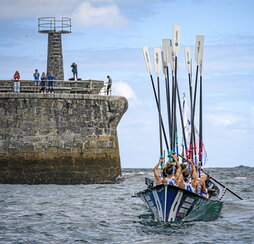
[
  {"x": 186, "y": 182},
  {"x": 159, "y": 179},
  {"x": 202, "y": 190},
  {"x": 173, "y": 179}
]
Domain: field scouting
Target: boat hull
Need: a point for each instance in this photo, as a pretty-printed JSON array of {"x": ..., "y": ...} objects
[{"x": 170, "y": 204}]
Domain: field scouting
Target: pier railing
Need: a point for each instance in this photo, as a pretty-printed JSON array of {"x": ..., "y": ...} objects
[
  {"x": 59, "y": 86},
  {"x": 51, "y": 25}
]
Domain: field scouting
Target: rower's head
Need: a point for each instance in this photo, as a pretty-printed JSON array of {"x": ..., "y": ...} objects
[
  {"x": 183, "y": 166},
  {"x": 185, "y": 174},
  {"x": 169, "y": 169},
  {"x": 164, "y": 174}
]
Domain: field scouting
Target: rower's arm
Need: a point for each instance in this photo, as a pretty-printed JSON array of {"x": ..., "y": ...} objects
[
  {"x": 194, "y": 179},
  {"x": 179, "y": 167},
  {"x": 155, "y": 171}
]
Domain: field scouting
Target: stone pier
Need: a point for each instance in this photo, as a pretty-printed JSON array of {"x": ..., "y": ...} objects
[{"x": 59, "y": 138}]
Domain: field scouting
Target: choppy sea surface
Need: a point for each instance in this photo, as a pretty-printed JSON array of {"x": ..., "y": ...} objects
[{"x": 108, "y": 214}]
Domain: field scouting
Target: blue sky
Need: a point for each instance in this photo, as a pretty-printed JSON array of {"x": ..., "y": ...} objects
[{"x": 106, "y": 38}]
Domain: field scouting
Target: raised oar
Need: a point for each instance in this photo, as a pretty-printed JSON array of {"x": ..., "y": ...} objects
[
  {"x": 181, "y": 113},
  {"x": 157, "y": 69},
  {"x": 188, "y": 61},
  {"x": 199, "y": 41},
  {"x": 188, "y": 64},
  {"x": 215, "y": 180},
  {"x": 181, "y": 117},
  {"x": 149, "y": 69},
  {"x": 200, "y": 62},
  {"x": 176, "y": 46},
  {"x": 166, "y": 60}
]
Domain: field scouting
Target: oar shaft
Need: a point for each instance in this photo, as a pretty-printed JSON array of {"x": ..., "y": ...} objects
[
  {"x": 173, "y": 114},
  {"x": 157, "y": 103},
  {"x": 193, "y": 103},
  {"x": 191, "y": 119},
  {"x": 215, "y": 180},
  {"x": 195, "y": 94},
  {"x": 168, "y": 107},
  {"x": 200, "y": 124},
  {"x": 227, "y": 188},
  {"x": 181, "y": 115}
]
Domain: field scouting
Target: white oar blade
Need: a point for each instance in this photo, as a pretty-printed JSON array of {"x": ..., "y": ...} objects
[
  {"x": 187, "y": 53},
  {"x": 147, "y": 59},
  {"x": 164, "y": 64},
  {"x": 157, "y": 60},
  {"x": 165, "y": 48},
  {"x": 176, "y": 38},
  {"x": 199, "y": 48}
]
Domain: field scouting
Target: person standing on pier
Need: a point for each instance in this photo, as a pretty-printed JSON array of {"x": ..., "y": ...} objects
[
  {"x": 16, "y": 78},
  {"x": 109, "y": 85},
  {"x": 74, "y": 71},
  {"x": 50, "y": 82},
  {"x": 43, "y": 82},
  {"x": 36, "y": 80}
]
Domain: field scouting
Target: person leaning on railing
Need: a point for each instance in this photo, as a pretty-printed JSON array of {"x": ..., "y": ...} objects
[
  {"x": 36, "y": 76},
  {"x": 16, "y": 78},
  {"x": 50, "y": 82},
  {"x": 43, "y": 82}
]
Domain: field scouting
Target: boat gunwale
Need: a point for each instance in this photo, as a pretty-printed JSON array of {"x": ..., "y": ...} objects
[{"x": 150, "y": 189}]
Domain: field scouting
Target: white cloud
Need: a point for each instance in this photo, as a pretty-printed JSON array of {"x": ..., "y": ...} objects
[
  {"x": 17, "y": 9},
  {"x": 87, "y": 15},
  {"x": 83, "y": 13},
  {"x": 223, "y": 120},
  {"x": 123, "y": 89}
]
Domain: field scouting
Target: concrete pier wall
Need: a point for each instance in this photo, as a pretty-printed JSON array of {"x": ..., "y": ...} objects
[{"x": 59, "y": 138}]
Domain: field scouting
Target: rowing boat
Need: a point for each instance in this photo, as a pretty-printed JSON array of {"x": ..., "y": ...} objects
[{"x": 170, "y": 203}]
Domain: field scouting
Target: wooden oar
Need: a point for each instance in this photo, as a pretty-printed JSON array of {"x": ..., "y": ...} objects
[
  {"x": 149, "y": 69},
  {"x": 226, "y": 188},
  {"x": 214, "y": 180},
  {"x": 157, "y": 69},
  {"x": 200, "y": 39},
  {"x": 166, "y": 60},
  {"x": 175, "y": 46}
]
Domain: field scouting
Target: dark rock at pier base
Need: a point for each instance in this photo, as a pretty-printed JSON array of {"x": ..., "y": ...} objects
[{"x": 59, "y": 138}]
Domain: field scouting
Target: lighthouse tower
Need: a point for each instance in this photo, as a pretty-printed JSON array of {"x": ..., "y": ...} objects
[{"x": 55, "y": 28}]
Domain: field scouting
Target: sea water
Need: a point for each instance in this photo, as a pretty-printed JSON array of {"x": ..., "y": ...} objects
[{"x": 109, "y": 214}]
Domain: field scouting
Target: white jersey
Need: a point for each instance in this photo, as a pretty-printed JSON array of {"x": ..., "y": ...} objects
[
  {"x": 189, "y": 187},
  {"x": 171, "y": 181}
]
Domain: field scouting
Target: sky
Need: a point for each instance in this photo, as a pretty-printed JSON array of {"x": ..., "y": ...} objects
[{"x": 106, "y": 39}]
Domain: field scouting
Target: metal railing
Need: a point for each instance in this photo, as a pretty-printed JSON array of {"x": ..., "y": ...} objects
[
  {"x": 103, "y": 91},
  {"x": 50, "y": 25}
]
